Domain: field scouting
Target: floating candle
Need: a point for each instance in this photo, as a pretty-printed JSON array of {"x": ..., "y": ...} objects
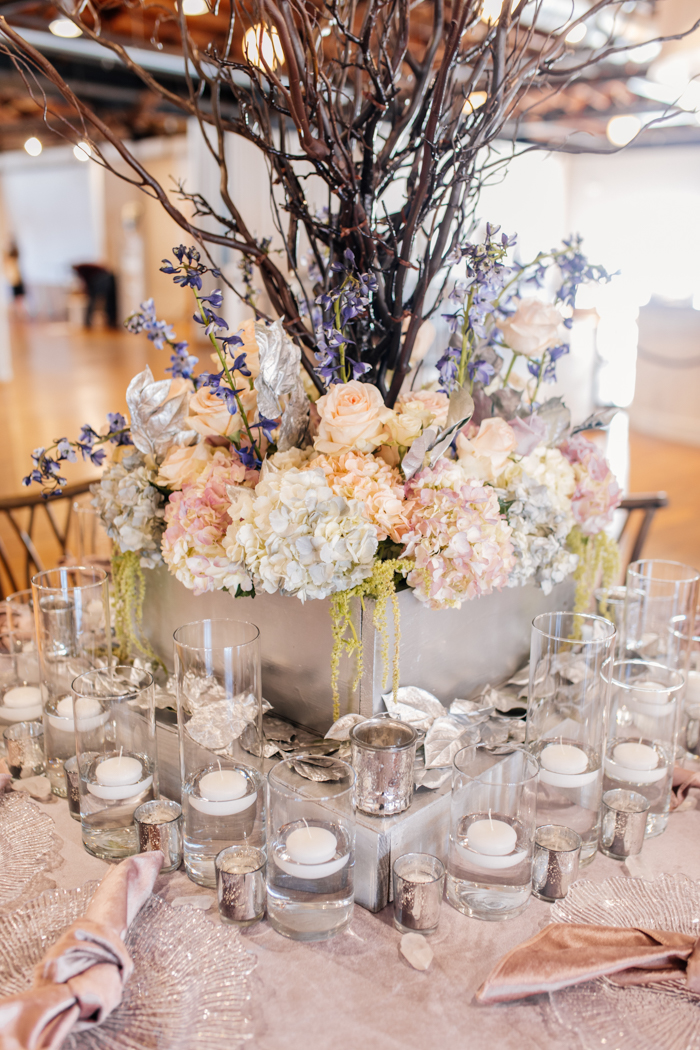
[
  {"x": 222, "y": 793},
  {"x": 635, "y": 763},
  {"x": 311, "y": 845},
  {"x": 492, "y": 837},
  {"x": 692, "y": 688},
  {"x": 119, "y": 777},
  {"x": 21, "y": 704},
  {"x": 564, "y": 765},
  {"x": 89, "y": 710}
]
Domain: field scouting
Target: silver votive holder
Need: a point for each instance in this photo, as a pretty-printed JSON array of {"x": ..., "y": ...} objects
[
  {"x": 24, "y": 742},
  {"x": 419, "y": 880},
  {"x": 383, "y": 757},
  {"x": 555, "y": 861},
  {"x": 240, "y": 885},
  {"x": 71, "y": 771},
  {"x": 159, "y": 826},
  {"x": 623, "y": 824}
]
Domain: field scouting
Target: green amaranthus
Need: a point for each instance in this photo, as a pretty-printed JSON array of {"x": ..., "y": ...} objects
[
  {"x": 596, "y": 554},
  {"x": 128, "y": 593}
]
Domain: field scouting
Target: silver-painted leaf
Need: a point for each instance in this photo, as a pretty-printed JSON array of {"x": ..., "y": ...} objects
[
  {"x": 447, "y": 736},
  {"x": 460, "y": 408},
  {"x": 158, "y": 421},
  {"x": 415, "y": 458},
  {"x": 597, "y": 421},
  {"x": 557, "y": 418},
  {"x": 319, "y": 769},
  {"x": 280, "y": 359}
]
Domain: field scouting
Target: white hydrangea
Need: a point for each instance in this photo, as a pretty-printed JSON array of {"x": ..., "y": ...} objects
[
  {"x": 295, "y": 536},
  {"x": 550, "y": 468},
  {"x": 541, "y": 520},
  {"x": 131, "y": 507}
]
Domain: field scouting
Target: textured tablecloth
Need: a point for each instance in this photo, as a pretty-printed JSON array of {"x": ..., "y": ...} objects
[{"x": 356, "y": 990}]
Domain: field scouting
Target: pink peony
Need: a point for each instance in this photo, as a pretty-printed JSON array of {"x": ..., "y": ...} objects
[
  {"x": 197, "y": 519},
  {"x": 356, "y": 475},
  {"x": 597, "y": 492},
  {"x": 459, "y": 540}
]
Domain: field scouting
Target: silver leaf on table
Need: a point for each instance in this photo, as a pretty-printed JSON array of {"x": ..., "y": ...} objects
[
  {"x": 340, "y": 730},
  {"x": 158, "y": 420},
  {"x": 250, "y": 742},
  {"x": 280, "y": 359},
  {"x": 496, "y": 731},
  {"x": 447, "y": 736},
  {"x": 216, "y": 724},
  {"x": 318, "y": 768},
  {"x": 571, "y": 666},
  {"x": 413, "y": 705},
  {"x": 432, "y": 779}
]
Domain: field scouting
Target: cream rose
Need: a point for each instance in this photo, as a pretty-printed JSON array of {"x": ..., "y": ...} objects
[
  {"x": 210, "y": 417},
  {"x": 534, "y": 327},
  {"x": 183, "y": 464},
  {"x": 353, "y": 416},
  {"x": 424, "y": 401}
]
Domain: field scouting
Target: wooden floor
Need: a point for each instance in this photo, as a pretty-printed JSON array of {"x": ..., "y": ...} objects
[{"x": 65, "y": 377}]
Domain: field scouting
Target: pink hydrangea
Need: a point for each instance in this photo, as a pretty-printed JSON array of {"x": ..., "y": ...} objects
[
  {"x": 197, "y": 519},
  {"x": 356, "y": 475},
  {"x": 459, "y": 540},
  {"x": 597, "y": 492}
]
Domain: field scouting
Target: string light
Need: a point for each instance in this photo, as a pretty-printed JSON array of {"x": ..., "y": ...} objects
[
  {"x": 576, "y": 35},
  {"x": 82, "y": 151},
  {"x": 474, "y": 101},
  {"x": 65, "y": 28},
  {"x": 491, "y": 10},
  {"x": 621, "y": 130},
  {"x": 33, "y": 147},
  {"x": 191, "y": 8},
  {"x": 262, "y": 47}
]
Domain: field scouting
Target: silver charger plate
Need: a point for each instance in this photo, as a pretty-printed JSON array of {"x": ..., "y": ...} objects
[
  {"x": 27, "y": 848},
  {"x": 662, "y": 1016},
  {"x": 189, "y": 989}
]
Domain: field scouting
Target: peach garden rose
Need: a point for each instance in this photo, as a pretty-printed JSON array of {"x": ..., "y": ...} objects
[
  {"x": 533, "y": 328},
  {"x": 352, "y": 416}
]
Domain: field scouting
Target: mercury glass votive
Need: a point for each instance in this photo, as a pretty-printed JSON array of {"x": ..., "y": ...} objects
[
  {"x": 24, "y": 743},
  {"x": 383, "y": 757},
  {"x": 159, "y": 827},
  {"x": 555, "y": 861},
  {"x": 72, "y": 775},
  {"x": 419, "y": 880},
  {"x": 240, "y": 885},
  {"x": 623, "y": 823}
]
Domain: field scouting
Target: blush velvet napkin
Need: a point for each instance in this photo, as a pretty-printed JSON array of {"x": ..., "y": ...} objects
[
  {"x": 80, "y": 979},
  {"x": 568, "y": 953}
]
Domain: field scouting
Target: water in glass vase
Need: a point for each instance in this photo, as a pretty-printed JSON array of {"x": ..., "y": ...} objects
[
  {"x": 489, "y": 874},
  {"x": 310, "y": 880},
  {"x": 645, "y": 767},
  {"x": 113, "y": 785},
  {"x": 570, "y": 786},
  {"x": 221, "y": 807}
]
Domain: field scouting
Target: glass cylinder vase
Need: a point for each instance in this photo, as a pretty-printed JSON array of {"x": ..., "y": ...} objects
[
  {"x": 567, "y": 718},
  {"x": 311, "y": 854},
  {"x": 115, "y": 736},
  {"x": 643, "y": 729},
  {"x": 71, "y": 611},
  {"x": 492, "y": 827},
  {"x": 20, "y": 692},
  {"x": 219, "y": 706},
  {"x": 688, "y": 636},
  {"x": 660, "y": 604}
]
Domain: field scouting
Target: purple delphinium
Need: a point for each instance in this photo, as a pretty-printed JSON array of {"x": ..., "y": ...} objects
[{"x": 342, "y": 304}]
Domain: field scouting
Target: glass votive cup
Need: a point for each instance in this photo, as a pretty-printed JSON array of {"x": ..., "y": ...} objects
[
  {"x": 240, "y": 885},
  {"x": 24, "y": 742},
  {"x": 159, "y": 827},
  {"x": 623, "y": 823},
  {"x": 555, "y": 861},
  {"x": 71, "y": 771},
  {"x": 419, "y": 880},
  {"x": 383, "y": 757}
]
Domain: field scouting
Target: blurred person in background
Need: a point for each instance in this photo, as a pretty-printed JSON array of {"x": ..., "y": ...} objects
[
  {"x": 101, "y": 288},
  {"x": 14, "y": 279}
]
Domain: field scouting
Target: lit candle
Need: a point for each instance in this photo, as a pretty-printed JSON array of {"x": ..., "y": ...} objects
[
  {"x": 309, "y": 853},
  {"x": 564, "y": 765},
  {"x": 311, "y": 845},
  {"x": 21, "y": 704},
  {"x": 491, "y": 844},
  {"x": 222, "y": 793},
  {"x": 635, "y": 763},
  {"x": 119, "y": 777}
]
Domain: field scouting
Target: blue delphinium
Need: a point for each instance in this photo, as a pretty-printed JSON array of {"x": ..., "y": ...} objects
[{"x": 346, "y": 301}]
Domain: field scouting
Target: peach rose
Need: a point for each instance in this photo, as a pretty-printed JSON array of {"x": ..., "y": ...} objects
[
  {"x": 534, "y": 327},
  {"x": 484, "y": 456},
  {"x": 353, "y": 416},
  {"x": 210, "y": 417},
  {"x": 184, "y": 464}
]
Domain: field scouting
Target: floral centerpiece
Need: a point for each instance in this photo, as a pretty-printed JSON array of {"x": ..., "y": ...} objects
[{"x": 247, "y": 477}]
